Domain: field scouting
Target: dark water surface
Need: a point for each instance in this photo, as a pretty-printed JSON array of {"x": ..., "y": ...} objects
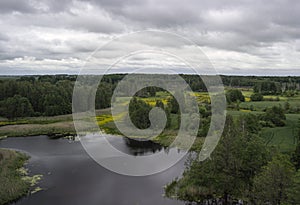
[{"x": 71, "y": 177}]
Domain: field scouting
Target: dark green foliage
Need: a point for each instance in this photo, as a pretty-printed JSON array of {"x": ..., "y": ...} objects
[
  {"x": 47, "y": 95},
  {"x": 293, "y": 191},
  {"x": 281, "y": 83},
  {"x": 267, "y": 88},
  {"x": 205, "y": 118},
  {"x": 275, "y": 116},
  {"x": 234, "y": 95},
  {"x": 167, "y": 110},
  {"x": 272, "y": 183},
  {"x": 296, "y": 157},
  {"x": 16, "y": 106},
  {"x": 230, "y": 170},
  {"x": 139, "y": 113},
  {"x": 148, "y": 92},
  {"x": 104, "y": 95},
  {"x": 249, "y": 123},
  {"x": 290, "y": 93},
  {"x": 45, "y": 98},
  {"x": 204, "y": 126},
  {"x": 287, "y": 106},
  {"x": 159, "y": 104},
  {"x": 257, "y": 97},
  {"x": 195, "y": 82},
  {"x": 173, "y": 104}
]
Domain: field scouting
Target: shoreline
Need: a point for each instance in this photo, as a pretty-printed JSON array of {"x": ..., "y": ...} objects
[{"x": 13, "y": 169}]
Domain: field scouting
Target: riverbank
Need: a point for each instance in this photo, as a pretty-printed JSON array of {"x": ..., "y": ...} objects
[
  {"x": 63, "y": 126},
  {"x": 32, "y": 126},
  {"x": 54, "y": 126},
  {"x": 14, "y": 178}
]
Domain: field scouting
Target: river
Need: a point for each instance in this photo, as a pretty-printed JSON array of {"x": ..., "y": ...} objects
[{"x": 70, "y": 176}]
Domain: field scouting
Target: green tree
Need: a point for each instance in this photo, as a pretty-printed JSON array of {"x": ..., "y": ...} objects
[
  {"x": 230, "y": 170},
  {"x": 249, "y": 123},
  {"x": 177, "y": 99},
  {"x": 256, "y": 97},
  {"x": 139, "y": 113},
  {"x": 103, "y": 95},
  {"x": 287, "y": 106},
  {"x": 267, "y": 88},
  {"x": 275, "y": 115},
  {"x": 294, "y": 190},
  {"x": 234, "y": 95},
  {"x": 17, "y": 106},
  {"x": 159, "y": 104},
  {"x": 296, "y": 156},
  {"x": 272, "y": 183}
]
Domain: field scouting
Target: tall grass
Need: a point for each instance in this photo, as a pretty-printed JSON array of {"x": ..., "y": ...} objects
[{"x": 12, "y": 185}]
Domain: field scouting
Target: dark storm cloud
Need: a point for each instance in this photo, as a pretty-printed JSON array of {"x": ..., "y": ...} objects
[
  {"x": 8, "y": 6},
  {"x": 34, "y": 6},
  {"x": 262, "y": 32},
  {"x": 236, "y": 25}
]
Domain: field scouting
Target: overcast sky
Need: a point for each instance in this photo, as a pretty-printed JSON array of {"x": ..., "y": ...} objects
[{"x": 246, "y": 37}]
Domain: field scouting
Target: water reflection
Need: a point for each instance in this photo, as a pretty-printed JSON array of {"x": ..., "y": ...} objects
[{"x": 142, "y": 147}]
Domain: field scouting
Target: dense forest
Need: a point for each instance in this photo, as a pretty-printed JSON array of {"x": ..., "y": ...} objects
[
  {"x": 242, "y": 168},
  {"x": 52, "y": 95}
]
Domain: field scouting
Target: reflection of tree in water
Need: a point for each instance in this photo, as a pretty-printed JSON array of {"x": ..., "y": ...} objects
[{"x": 142, "y": 147}]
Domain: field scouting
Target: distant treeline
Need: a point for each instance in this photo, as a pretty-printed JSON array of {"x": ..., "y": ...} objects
[{"x": 51, "y": 95}]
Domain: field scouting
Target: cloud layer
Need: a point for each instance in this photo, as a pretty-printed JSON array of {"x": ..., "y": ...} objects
[{"x": 239, "y": 37}]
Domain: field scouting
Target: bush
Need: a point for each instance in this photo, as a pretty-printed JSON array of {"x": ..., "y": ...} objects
[
  {"x": 275, "y": 115},
  {"x": 139, "y": 113},
  {"x": 257, "y": 97},
  {"x": 234, "y": 95}
]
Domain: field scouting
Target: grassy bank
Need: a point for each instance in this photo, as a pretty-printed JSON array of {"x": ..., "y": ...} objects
[
  {"x": 56, "y": 126},
  {"x": 14, "y": 183},
  {"x": 31, "y": 126},
  {"x": 63, "y": 128}
]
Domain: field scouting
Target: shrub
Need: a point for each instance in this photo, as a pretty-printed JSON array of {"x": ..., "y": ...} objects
[{"x": 257, "y": 97}]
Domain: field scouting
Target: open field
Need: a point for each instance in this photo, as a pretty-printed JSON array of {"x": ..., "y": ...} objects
[
  {"x": 284, "y": 138},
  {"x": 262, "y": 105}
]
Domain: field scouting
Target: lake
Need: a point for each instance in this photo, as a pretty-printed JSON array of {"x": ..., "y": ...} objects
[{"x": 70, "y": 176}]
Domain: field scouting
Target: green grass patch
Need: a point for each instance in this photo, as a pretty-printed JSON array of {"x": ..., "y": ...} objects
[
  {"x": 236, "y": 113},
  {"x": 13, "y": 186},
  {"x": 37, "y": 120},
  {"x": 63, "y": 128},
  {"x": 284, "y": 138},
  {"x": 260, "y": 106}
]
